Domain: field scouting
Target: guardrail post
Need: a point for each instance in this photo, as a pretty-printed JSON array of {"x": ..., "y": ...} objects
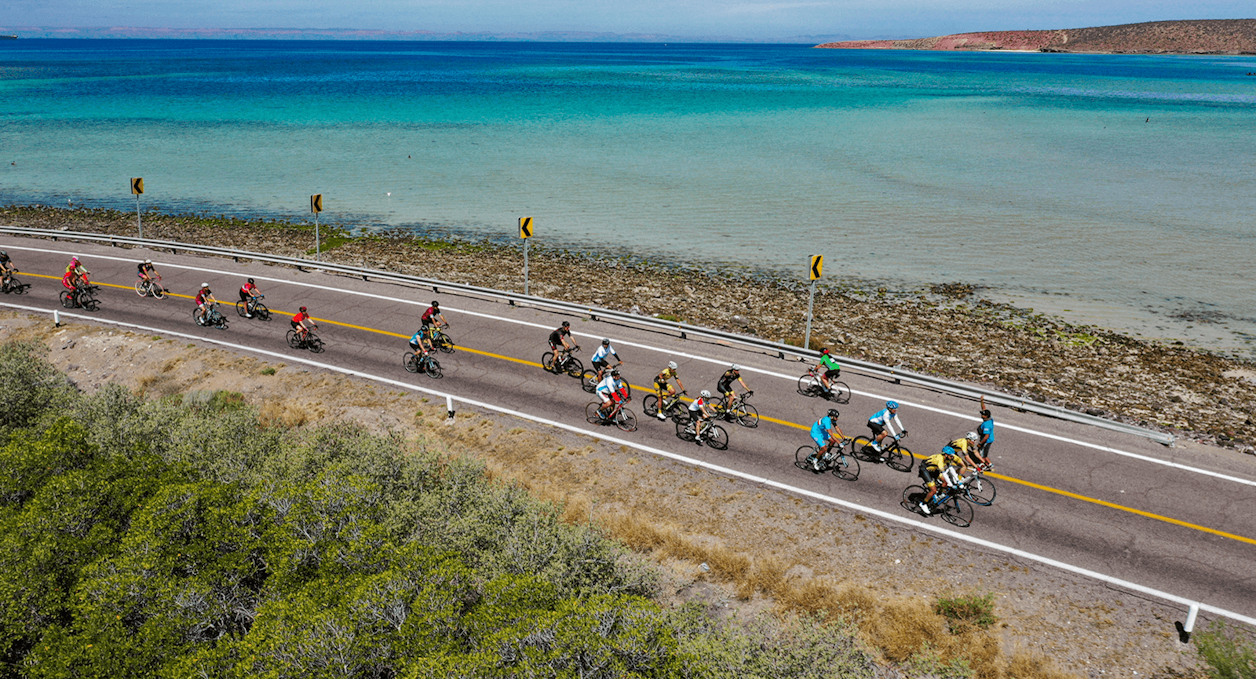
[
  {"x": 1184, "y": 631},
  {"x": 56, "y": 318},
  {"x": 449, "y": 407}
]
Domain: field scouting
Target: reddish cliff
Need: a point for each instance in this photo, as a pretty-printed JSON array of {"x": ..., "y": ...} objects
[{"x": 1219, "y": 36}]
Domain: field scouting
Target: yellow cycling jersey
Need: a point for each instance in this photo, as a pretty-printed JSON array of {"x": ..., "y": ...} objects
[
  {"x": 962, "y": 445},
  {"x": 667, "y": 374},
  {"x": 936, "y": 463}
]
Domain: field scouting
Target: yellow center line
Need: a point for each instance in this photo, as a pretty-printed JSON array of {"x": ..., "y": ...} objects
[{"x": 1036, "y": 486}]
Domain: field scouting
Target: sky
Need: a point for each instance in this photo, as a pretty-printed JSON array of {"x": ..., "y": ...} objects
[{"x": 751, "y": 19}]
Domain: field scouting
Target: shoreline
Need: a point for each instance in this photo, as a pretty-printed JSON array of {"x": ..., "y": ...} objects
[{"x": 946, "y": 331}]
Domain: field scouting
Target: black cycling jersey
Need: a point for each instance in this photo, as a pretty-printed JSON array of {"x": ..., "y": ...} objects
[
  {"x": 726, "y": 381},
  {"x": 144, "y": 267},
  {"x": 556, "y": 337}
]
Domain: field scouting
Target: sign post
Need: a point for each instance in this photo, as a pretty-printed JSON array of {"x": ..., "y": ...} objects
[
  {"x": 525, "y": 232},
  {"x": 137, "y": 187},
  {"x": 817, "y": 267},
  {"x": 316, "y": 206}
]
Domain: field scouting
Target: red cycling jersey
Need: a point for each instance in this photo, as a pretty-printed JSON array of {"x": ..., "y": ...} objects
[
  {"x": 300, "y": 316},
  {"x": 200, "y": 297},
  {"x": 248, "y": 287},
  {"x": 431, "y": 311}
]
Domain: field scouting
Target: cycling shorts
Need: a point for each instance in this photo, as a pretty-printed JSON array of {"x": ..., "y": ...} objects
[
  {"x": 295, "y": 325},
  {"x": 416, "y": 348},
  {"x": 821, "y": 438},
  {"x": 725, "y": 387},
  {"x": 556, "y": 347},
  {"x": 930, "y": 479},
  {"x": 598, "y": 364},
  {"x": 663, "y": 386},
  {"x": 244, "y": 296},
  {"x": 876, "y": 428},
  {"x": 832, "y": 374}
]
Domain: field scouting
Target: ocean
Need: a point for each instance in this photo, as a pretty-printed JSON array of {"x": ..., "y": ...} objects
[{"x": 1110, "y": 189}]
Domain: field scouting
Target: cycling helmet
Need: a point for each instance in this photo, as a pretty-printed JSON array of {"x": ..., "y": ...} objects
[
  {"x": 566, "y": 324},
  {"x": 435, "y": 303},
  {"x": 614, "y": 372},
  {"x": 705, "y": 394},
  {"x": 606, "y": 342},
  {"x": 891, "y": 405},
  {"x": 302, "y": 309},
  {"x": 971, "y": 436},
  {"x": 74, "y": 259},
  {"x": 204, "y": 285},
  {"x": 834, "y": 414},
  {"x": 824, "y": 350},
  {"x": 4, "y": 253},
  {"x": 250, "y": 280},
  {"x": 735, "y": 368},
  {"x": 671, "y": 364},
  {"x": 148, "y": 261}
]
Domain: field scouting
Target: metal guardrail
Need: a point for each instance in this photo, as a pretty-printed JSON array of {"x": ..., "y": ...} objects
[{"x": 683, "y": 329}]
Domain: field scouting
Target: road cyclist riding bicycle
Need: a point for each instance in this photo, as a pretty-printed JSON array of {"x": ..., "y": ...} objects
[
  {"x": 882, "y": 425},
  {"x": 943, "y": 467},
  {"x": 700, "y": 413},
  {"x": 420, "y": 344},
  {"x": 826, "y": 434},
  {"x": 148, "y": 280},
  {"x": 667, "y": 393},
  {"x": 203, "y": 299},
  {"x": 75, "y": 277},
  {"x": 250, "y": 294},
  {"x": 6, "y": 267},
  {"x": 965, "y": 448},
  {"x": 831, "y": 370},
  {"x": 612, "y": 391},
  {"x": 725, "y": 384},
  {"x": 600, "y": 358},
  {"x": 298, "y": 325},
  {"x": 561, "y": 344}
]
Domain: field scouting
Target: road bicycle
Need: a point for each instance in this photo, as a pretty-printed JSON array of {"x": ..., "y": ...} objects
[
  {"x": 565, "y": 364},
  {"x": 10, "y": 283},
  {"x": 148, "y": 288},
  {"x": 892, "y": 453},
  {"x": 673, "y": 408},
  {"x": 713, "y": 434},
  {"x": 253, "y": 306},
  {"x": 978, "y": 489},
  {"x": 947, "y": 502},
  {"x": 440, "y": 340},
  {"x": 425, "y": 363},
  {"x": 589, "y": 379},
  {"x": 810, "y": 384},
  {"x": 80, "y": 298},
  {"x": 310, "y": 341},
  {"x": 843, "y": 465},
  {"x": 738, "y": 410},
  {"x": 212, "y": 317},
  {"x": 619, "y": 416}
]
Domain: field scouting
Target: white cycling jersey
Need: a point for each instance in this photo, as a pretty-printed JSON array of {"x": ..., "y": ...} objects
[
  {"x": 609, "y": 385},
  {"x": 887, "y": 419},
  {"x": 603, "y": 352}
]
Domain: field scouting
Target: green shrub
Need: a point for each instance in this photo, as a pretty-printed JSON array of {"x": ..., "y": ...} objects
[
  {"x": 1226, "y": 655},
  {"x": 33, "y": 387},
  {"x": 969, "y": 610}
]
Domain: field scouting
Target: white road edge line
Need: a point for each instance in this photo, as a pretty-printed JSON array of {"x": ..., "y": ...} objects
[
  {"x": 1054, "y": 437},
  {"x": 689, "y": 461}
]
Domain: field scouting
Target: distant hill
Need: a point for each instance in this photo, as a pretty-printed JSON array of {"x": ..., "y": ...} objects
[
  {"x": 1215, "y": 36},
  {"x": 141, "y": 33}
]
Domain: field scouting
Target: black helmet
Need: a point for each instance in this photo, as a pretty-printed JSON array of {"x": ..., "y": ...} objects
[
  {"x": 302, "y": 309},
  {"x": 606, "y": 342},
  {"x": 614, "y": 372},
  {"x": 566, "y": 324},
  {"x": 824, "y": 350},
  {"x": 834, "y": 414},
  {"x": 435, "y": 303},
  {"x": 250, "y": 280}
]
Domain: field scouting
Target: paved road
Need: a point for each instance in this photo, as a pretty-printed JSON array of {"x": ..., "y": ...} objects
[{"x": 1066, "y": 491}]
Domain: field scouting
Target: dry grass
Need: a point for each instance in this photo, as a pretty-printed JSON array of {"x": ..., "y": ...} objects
[{"x": 285, "y": 413}]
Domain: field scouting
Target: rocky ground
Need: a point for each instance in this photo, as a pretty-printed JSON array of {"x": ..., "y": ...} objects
[
  {"x": 762, "y": 550},
  {"x": 946, "y": 331}
]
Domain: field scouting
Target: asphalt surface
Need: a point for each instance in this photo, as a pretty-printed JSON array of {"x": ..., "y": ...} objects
[{"x": 1065, "y": 490}]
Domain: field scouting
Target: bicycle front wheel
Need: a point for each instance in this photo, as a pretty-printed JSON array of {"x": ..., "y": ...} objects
[
  {"x": 845, "y": 467},
  {"x": 17, "y": 287},
  {"x": 315, "y": 344},
  {"x": 157, "y": 291},
  {"x": 897, "y": 457},
  {"x": 433, "y": 369},
  {"x": 574, "y": 367},
  {"x": 809, "y": 385},
  {"x": 88, "y": 301},
  {"x": 588, "y": 380},
  {"x": 625, "y": 420},
  {"x": 716, "y": 437},
  {"x": 803, "y": 458},
  {"x": 957, "y": 511},
  {"x": 445, "y": 344},
  {"x": 980, "y": 491},
  {"x": 746, "y": 415},
  {"x": 261, "y": 312},
  {"x": 410, "y": 361}
]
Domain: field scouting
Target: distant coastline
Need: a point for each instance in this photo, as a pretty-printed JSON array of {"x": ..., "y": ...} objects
[{"x": 1218, "y": 36}]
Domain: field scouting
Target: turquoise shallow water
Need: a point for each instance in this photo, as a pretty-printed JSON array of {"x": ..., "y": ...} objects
[{"x": 1120, "y": 188}]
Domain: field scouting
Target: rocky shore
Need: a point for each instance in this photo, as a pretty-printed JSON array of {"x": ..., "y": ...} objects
[{"x": 947, "y": 330}]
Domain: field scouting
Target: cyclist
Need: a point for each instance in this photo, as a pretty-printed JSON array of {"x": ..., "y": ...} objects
[
  {"x": 432, "y": 320},
  {"x": 986, "y": 430},
  {"x": 944, "y": 467},
  {"x": 831, "y": 369},
  {"x": 6, "y": 266},
  {"x": 610, "y": 389},
  {"x": 148, "y": 273},
  {"x": 599, "y": 357},
  {"x": 700, "y": 412},
  {"x": 882, "y": 425},
  {"x": 203, "y": 299},
  {"x": 825, "y": 433},
  {"x": 561, "y": 337},
  {"x": 725, "y": 385},
  {"x": 249, "y": 293},
  {"x": 419, "y": 343},
  {"x": 965, "y": 448},
  {"x": 666, "y": 390},
  {"x": 77, "y": 273},
  {"x": 298, "y": 324}
]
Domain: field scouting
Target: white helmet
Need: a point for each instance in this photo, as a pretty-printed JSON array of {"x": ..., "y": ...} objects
[
  {"x": 671, "y": 364},
  {"x": 736, "y": 367},
  {"x": 971, "y": 436},
  {"x": 204, "y": 285},
  {"x": 148, "y": 261},
  {"x": 706, "y": 394}
]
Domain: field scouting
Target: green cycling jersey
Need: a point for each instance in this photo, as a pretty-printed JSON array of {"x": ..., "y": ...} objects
[{"x": 829, "y": 362}]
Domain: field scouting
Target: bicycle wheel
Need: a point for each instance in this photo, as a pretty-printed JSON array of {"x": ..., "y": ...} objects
[
  {"x": 861, "y": 447},
  {"x": 67, "y": 299},
  {"x": 625, "y": 420},
  {"x": 196, "y": 317},
  {"x": 803, "y": 457},
  {"x": 898, "y": 458},
  {"x": 716, "y": 437},
  {"x": 839, "y": 392},
  {"x": 293, "y": 340},
  {"x": 242, "y": 308},
  {"x": 547, "y": 361},
  {"x": 17, "y": 287},
  {"x": 845, "y": 467},
  {"x": 157, "y": 291},
  {"x": 746, "y": 415},
  {"x": 443, "y": 343},
  {"x": 683, "y": 432},
  {"x": 591, "y": 414},
  {"x": 912, "y": 497},
  {"x": 574, "y": 367},
  {"x": 809, "y": 385},
  {"x": 957, "y": 511},
  {"x": 140, "y": 288},
  {"x": 980, "y": 491},
  {"x": 410, "y": 361},
  {"x": 650, "y": 405},
  {"x": 433, "y": 368},
  {"x": 315, "y": 344},
  {"x": 588, "y": 380},
  {"x": 260, "y": 311}
]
